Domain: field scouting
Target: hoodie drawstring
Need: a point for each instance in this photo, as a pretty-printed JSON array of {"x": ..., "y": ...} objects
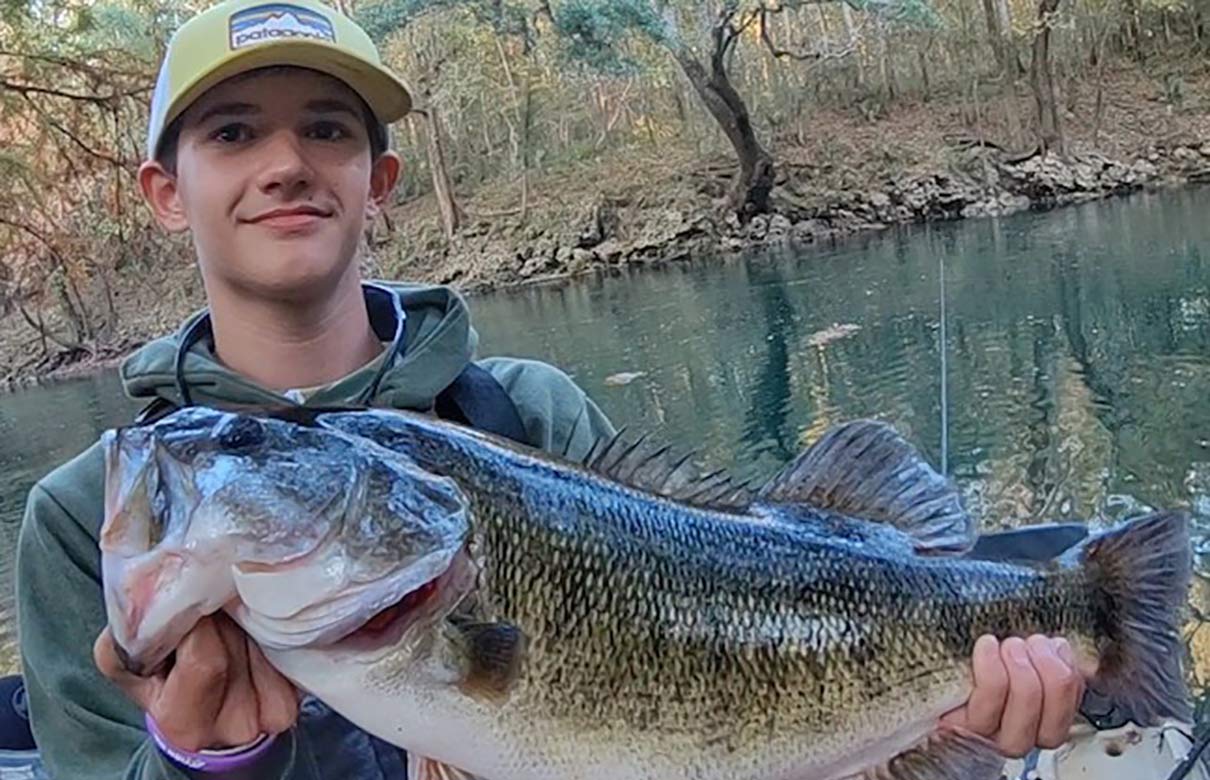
[{"x": 201, "y": 329}]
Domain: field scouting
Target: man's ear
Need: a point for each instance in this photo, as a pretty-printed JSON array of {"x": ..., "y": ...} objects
[
  {"x": 383, "y": 177},
  {"x": 163, "y": 196}
]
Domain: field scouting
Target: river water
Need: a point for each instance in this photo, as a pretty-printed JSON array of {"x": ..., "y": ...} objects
[{"x": 1077, "y": 349}]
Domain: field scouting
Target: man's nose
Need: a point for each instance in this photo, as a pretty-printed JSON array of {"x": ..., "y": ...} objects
[{"x": 285, "y": 167}]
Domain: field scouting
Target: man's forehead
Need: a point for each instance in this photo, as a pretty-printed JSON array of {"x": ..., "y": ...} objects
[{"x": 260, "y": 90}]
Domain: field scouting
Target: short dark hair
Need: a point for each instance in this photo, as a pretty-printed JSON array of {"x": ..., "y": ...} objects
[{"x": 170, "y": 140}]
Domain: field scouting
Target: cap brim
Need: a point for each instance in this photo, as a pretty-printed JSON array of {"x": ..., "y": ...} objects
[{"x": 385, "y": 93}]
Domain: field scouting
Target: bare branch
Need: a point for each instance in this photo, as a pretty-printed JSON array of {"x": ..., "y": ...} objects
[
  {"x": 85, "y": 147},
  {"x": 772, "y": 47},
  {"x": 736, "y": 31},
  {"x": 40, "y": 326},
  {"x": 752, "y": 17},
  {"x": 37, "y": 234},
  {"x": 805, "y": 55},
  {"x": 101, "y": 100},
  {"x": 55, "y": 125},
  {"x": 88, "y": 68}
]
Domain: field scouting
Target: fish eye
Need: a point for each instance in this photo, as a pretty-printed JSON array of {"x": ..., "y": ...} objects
[{"x": 241, "y": 433}]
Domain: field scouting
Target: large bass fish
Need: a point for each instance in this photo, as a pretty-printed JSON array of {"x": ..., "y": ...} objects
[{"x": 504, "y": 614}]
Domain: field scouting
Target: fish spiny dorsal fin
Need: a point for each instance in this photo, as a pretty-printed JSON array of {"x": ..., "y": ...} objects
[
  {"x": 866, "y": 470},
  {"x": 656, "y": 470}
]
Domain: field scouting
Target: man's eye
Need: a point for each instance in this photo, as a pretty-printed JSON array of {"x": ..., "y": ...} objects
[
  {"x": 328, "y": 131},
  {"x": 233, "y": 133}
]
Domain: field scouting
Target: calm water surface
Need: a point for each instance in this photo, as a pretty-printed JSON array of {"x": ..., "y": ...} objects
[{"x": 1078, "y": 347}]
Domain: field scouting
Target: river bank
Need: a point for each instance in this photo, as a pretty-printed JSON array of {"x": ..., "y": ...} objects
[
  {"x": 917, "y": 163},
  {"x": 648, "y": 205},
  {"x": 620, "y": 230}
]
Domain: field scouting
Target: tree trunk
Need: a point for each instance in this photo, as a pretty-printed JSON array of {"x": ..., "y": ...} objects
[
  {"x": 750, "y": 190},
  {"x": 1133, "y": 33},
  {"x": 999, "y": 34},
  {"x": 38, "y": 325},
  {"x": 1004, "y": 19},
  {"x": 1099, "y": 40},
  {"x": 451, "y": 213},
  {"x": 994, "y": 37},
  {"x": 72, "y": 305},
  {"x": 523, "y": 114},
  {"x": 111, "y": 311},
  {"x": 922, "y": 56},
  {"x": 850, "y": 32},
  {"x": 526, "y": 135},
  {"x": 1050, "y": 128},
  {"x": 887, "y": 66}
]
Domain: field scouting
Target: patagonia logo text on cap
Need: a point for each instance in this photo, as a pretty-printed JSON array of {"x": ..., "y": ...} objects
[{"x": 275, "y": 21}]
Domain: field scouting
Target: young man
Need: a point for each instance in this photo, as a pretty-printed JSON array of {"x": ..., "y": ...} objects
[{"x": 267, "y": 143}]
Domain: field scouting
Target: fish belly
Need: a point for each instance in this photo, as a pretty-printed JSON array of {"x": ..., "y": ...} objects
[{"x": 516, "y": 741}]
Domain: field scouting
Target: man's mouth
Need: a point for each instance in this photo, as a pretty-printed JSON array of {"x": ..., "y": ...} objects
[{"x": 290, "y": 218}]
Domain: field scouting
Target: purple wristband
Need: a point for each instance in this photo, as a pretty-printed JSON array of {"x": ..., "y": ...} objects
[{"x": 223, "y": 760}]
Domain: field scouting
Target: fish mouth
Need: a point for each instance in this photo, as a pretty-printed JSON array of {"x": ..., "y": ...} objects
[{"x": 424, "y": 605}]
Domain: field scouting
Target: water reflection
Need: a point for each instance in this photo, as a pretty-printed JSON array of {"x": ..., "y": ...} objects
[
  {"x": 1077, "y": 344},
  {"x": 766, "y": 417}
]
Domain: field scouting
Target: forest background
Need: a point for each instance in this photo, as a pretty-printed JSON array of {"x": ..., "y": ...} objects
[{"x": 559, "y": 137}]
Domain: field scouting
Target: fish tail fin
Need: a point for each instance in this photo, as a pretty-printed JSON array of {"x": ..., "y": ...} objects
[{"x": 1140, "y": 574}]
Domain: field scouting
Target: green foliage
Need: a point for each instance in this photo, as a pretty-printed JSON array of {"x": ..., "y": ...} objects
[
  {"x": 383, "y": 19},
  {"x": 910, "y": 13},
  {"x": 14, "y": 12},
  {"x": 119, "y": 27},
  {"x": 387, "y": 17},
  {"x": 594, "y": 29}
]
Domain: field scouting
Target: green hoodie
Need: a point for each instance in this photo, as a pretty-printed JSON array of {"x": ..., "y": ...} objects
[{"x": 84, "y": 725}]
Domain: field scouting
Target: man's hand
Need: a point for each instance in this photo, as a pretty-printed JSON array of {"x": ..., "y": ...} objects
[
  {"x": 220, "y": 692},
  {"x": 1026, "y": 695}
]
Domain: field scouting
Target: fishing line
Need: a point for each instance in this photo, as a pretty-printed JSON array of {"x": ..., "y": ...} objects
[{"x": 944, "y": 397}]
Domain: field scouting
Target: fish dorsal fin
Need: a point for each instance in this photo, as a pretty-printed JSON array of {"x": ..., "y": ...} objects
[
  {"x": 866, "y": 470},
  {"x": 656, "y": 470}
]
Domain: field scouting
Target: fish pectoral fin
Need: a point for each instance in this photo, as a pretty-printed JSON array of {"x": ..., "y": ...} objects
[
  {"x": 420, "y": 768},
  {"x": 866, "y": 470},
  {"x": 492, "y": 655},
  {"x": 948, "y": 754}
]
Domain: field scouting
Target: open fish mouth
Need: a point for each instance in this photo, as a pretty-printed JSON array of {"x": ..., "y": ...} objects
[
  {"x": 374, "y": 618},
  {"x": 424, "y": 605},
  {"x": 367, "y": 609}
]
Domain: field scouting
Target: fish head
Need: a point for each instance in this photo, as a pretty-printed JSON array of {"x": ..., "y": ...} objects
[{"x": 301, "y": 533}]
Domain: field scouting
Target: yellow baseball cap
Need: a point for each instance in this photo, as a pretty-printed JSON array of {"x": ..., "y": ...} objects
[{"x": 237, "y": 36}]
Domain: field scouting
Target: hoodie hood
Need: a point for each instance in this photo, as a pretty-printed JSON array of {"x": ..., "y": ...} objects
[{"x": 438, "y": 342}]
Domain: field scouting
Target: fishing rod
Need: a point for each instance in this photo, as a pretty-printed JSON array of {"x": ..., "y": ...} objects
[{"x": 1190, "y": 761}]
